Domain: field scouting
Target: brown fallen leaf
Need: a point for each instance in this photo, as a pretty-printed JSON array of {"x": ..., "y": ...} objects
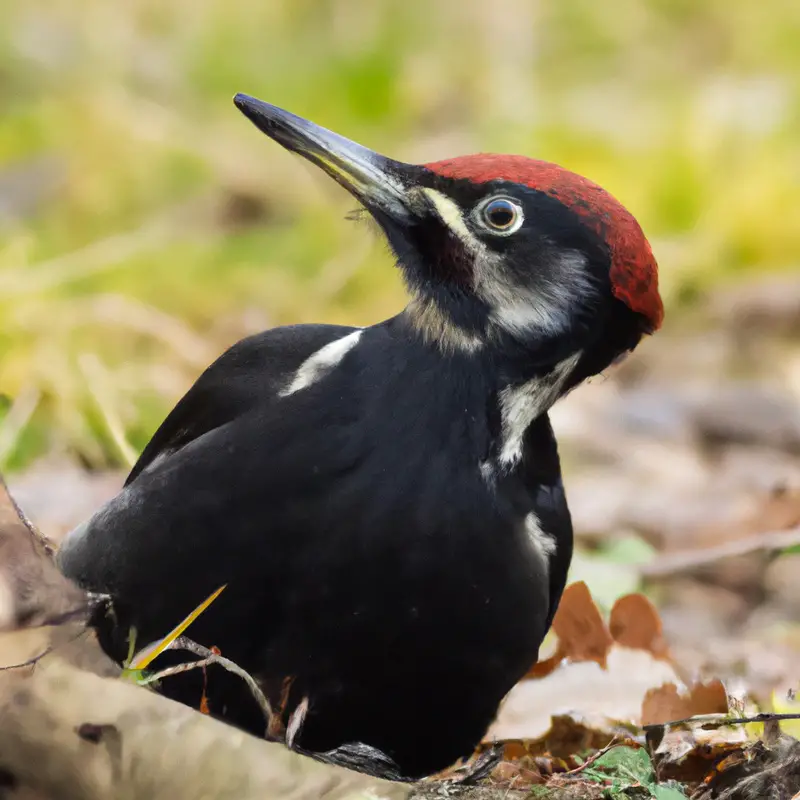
[
  {"x": 634, "y": 622},
  {"x": 515, "y": 776},
  {"x": 680, "y": 756},
  {"x": 582, "y": 633},
  {"x": 593, "y": 674},
  {"x": 602, "y": 683},
  {"x": 666, "y": 703},
  {"x": 566, "y": 736}
]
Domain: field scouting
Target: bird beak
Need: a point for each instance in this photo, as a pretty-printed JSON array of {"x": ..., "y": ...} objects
[{"x": 375, "y": 180}]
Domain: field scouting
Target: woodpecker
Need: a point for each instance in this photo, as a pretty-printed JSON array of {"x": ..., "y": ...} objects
[{"x": 384, "y": 504}]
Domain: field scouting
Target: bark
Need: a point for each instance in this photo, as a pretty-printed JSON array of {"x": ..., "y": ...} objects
[{"x": 71, "y": 733}]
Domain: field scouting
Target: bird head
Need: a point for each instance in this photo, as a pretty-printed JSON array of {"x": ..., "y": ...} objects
[{"x": 500, "y": 252}]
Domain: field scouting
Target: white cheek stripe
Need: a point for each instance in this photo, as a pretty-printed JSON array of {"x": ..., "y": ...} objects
[
  {"x": 523, "y": 310},
  {"x": 451, "y": 215},
  {"x": 543, "y": 543},
  {"x": 521, "y": 405},
  {"x": 319, "y": 364}
]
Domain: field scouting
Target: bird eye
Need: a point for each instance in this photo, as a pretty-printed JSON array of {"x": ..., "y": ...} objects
[{"x": 501, "y": 215}]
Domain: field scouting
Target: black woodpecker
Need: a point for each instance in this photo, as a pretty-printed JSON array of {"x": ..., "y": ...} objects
[{"x": 384, "y": 504}]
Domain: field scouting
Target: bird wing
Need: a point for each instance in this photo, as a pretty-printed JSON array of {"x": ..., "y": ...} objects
[
  {"x": 226, "y": 473},
  {"x": 249, "y": 374}
]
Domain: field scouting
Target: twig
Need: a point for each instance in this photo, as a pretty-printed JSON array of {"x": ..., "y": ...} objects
[
  {"x": 592, "y": 758},
  {"x": 184, "y": 643},
  {"x": 178, "y": 669},
  {"x": 720, "y": 720},
  {"x": 31, "y": 662},
  {"x": 34, "y": 660},
  {"x": 670, "y": 563}
]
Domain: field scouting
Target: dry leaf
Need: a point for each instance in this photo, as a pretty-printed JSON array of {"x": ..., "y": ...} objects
[
  {"x": 582, "y": 634},
  {"x": 515, "y": 776},
  {"x": 665, "y": 703},
  {"x": 568, "y": 736},
  {"x": 681, "y": 757},
  {"x": 708, "y": 698},
  {"x": 634, "y": 622},
  {"x": 594, "y": 673}
]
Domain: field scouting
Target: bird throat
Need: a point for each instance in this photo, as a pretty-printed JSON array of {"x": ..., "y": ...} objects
[
  {"x": 435, "y": 325},
  {"x": 521, "y": 404}
]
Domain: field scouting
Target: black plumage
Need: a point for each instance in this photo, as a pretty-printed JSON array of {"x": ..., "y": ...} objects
[{"x": 385, "y": 505}]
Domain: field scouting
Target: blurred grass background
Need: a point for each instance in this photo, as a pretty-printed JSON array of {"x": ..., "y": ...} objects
[{"x": 145, "y": 225}]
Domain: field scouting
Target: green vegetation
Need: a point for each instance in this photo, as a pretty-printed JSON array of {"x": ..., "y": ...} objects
[
  {"x": 628, "y": 772},
  {"x": 144, "y": 225}
]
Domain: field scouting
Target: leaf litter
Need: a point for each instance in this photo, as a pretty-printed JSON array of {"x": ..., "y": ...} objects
[
  {"x": 631, "y": 722},
  {"x": 609, "y": 713}
]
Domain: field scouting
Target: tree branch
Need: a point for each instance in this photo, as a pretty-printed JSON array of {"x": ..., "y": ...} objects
[{"x": 682, "y": 560}]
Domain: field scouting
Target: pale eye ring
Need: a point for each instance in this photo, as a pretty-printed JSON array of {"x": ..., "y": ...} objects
[{"x": 501, "y": 215}]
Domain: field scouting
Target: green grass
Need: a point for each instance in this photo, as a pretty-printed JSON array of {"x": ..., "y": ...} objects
[{"x": 169, "y": 227}]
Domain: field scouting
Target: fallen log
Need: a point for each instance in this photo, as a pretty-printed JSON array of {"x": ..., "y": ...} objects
[
  {"x": 72, "y": 728},
  {"x": 74, "y": 734}
]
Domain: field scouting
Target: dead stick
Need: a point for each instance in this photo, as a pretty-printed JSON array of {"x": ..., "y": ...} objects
[
  {"x": 31, "y": 662},
  {"x": 720, "y": 720},
  {"x": 592, "y": 758},
  {"x": 184, "y": 643},
  {"x": 178, "y": 669},
  {"x": 670, "y": 563}
]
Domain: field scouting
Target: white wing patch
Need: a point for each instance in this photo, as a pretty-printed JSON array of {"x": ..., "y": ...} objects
[
  {"x": 520, "y": 405},
  {"x": 319, "y": 364},
  {"x": 543, "y": 543}
]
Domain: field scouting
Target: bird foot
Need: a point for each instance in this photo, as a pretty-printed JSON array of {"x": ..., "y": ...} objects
[{"x": 362, "y": 758}]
